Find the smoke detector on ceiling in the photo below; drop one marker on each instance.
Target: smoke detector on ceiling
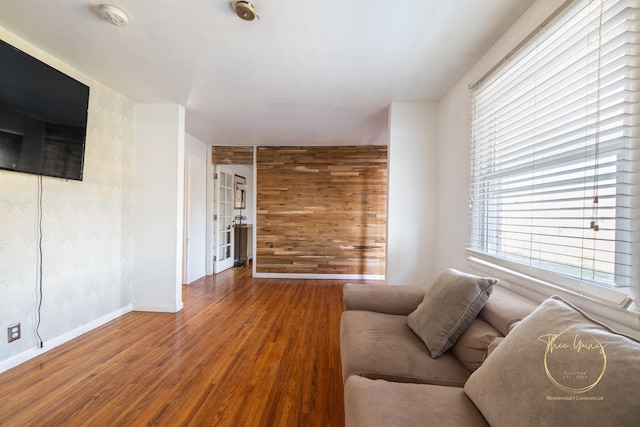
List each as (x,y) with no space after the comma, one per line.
(245,10)
(113,15)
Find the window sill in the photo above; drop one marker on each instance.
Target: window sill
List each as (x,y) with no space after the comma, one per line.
(624,320)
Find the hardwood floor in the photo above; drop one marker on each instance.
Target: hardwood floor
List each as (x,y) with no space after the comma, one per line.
(243,352)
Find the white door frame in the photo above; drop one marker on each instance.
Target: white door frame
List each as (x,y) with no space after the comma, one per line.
(185,222)
(210,225)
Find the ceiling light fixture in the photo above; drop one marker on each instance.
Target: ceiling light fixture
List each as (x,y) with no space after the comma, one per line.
(245,10)
(113,15)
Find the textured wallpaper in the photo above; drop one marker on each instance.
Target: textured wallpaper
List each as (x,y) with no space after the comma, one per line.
(86,227)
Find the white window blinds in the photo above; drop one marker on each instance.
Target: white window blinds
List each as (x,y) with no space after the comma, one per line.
(555,152)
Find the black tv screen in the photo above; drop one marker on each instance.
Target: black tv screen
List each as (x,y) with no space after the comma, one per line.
(43,117)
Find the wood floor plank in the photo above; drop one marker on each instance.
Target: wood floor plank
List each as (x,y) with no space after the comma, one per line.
(242,352)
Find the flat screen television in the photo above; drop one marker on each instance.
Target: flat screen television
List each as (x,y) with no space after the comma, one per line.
(43,117)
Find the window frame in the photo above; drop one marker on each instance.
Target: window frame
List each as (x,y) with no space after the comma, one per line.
(616,297)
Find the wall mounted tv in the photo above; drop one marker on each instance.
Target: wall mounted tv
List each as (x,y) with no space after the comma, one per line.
(43,117)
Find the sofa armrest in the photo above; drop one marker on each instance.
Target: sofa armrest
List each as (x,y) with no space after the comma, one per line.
(382,298)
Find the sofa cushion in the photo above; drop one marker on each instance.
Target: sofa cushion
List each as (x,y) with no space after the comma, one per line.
(493,345)
(472,348)
(378,345)
(505,308)
(371,403)
(567,367)
(382,298)
(449,306)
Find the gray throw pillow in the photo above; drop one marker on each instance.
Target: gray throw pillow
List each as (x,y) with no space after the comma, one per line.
(564,367)
(449,306)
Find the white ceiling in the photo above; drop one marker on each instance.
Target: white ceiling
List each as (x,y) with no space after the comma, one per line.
(307,73)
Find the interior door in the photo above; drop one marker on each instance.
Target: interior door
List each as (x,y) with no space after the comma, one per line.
(223,218)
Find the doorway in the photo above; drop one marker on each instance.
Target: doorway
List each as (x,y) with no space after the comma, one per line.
(231,222)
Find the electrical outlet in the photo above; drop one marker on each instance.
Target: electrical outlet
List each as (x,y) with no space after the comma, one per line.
(13,332)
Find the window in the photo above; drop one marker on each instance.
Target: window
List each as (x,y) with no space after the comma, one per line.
(555,153)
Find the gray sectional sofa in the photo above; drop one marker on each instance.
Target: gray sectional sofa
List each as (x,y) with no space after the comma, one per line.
(392,379)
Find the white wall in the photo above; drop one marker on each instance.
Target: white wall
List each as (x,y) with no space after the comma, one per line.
(453,180)
(158,207)
(413,194)
(196,152)
(87,243)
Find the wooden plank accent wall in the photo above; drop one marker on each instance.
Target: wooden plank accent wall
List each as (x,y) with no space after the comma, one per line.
(321,210)
(230,155)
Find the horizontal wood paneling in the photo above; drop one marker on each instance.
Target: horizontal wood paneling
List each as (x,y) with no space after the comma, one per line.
(321,210)
(229,155)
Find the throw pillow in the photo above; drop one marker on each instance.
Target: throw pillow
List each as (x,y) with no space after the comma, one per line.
(566,369)
(472,347)
(449,306)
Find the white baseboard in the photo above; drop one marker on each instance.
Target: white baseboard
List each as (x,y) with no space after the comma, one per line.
(158,308)
(319,276)
(20,358)
(190,281)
